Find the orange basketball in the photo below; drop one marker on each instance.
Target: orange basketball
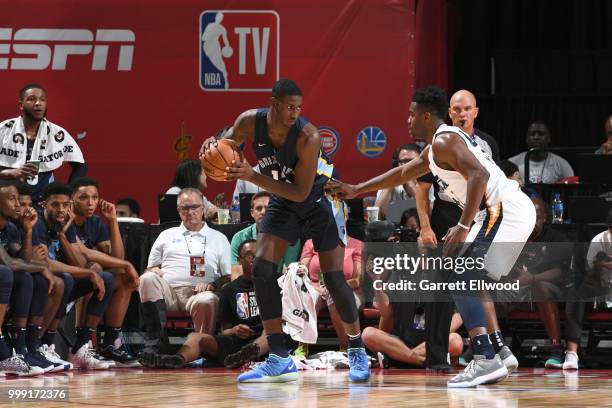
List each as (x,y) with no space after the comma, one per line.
(219,155)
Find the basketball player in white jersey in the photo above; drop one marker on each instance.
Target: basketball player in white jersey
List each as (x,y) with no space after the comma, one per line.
(500,211)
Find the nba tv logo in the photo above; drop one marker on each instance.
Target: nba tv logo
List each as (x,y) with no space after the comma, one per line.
(239,50)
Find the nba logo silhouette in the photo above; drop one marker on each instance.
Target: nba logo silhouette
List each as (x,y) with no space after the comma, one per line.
(242,305)
(239,50)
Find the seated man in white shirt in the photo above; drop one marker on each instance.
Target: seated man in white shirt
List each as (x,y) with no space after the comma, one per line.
(402,155)
(187,265)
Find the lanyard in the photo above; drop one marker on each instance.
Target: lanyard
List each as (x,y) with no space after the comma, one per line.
(189,249)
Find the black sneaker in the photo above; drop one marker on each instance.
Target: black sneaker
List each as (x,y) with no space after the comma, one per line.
(245,355)
(170,361)
(44,363)
(120,356)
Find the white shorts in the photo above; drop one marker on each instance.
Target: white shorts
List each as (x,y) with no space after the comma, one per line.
(503,230)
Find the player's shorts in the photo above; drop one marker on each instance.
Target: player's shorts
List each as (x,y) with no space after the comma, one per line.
(500,232)
(323,220)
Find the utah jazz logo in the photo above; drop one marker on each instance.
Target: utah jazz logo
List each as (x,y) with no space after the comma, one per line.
(239,50)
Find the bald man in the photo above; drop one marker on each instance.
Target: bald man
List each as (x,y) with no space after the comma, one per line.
(463,111)
(606,147)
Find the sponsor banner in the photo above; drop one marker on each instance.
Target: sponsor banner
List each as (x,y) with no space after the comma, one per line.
(140,85)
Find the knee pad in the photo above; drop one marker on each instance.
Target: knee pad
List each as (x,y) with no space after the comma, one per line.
(109,281)
(6,284)
(342,294)
(267,291)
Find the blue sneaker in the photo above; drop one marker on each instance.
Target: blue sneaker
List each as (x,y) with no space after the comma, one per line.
(359,371)
(274,370)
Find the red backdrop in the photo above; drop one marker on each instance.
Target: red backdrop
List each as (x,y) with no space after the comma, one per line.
(353,59)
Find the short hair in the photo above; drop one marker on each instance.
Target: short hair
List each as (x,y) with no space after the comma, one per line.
(259,195)
(243,243)
(24,189)
(408,146)
(411,212)
(508,167)
(56,188)
(27,87)
(541,123)
(8,183)
(82,182)
(284,87)
(187,174)
(433,99)
(189,190)
(131,203)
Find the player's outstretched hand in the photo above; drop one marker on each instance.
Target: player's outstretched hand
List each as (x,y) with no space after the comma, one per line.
(239,170)
(339,189)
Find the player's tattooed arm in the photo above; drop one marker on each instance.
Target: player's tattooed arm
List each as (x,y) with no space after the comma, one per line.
(243,129)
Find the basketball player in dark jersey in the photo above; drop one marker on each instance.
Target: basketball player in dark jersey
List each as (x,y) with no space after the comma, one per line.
(294,169)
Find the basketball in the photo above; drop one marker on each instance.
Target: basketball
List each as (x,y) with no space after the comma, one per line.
(227,52)
(219,155)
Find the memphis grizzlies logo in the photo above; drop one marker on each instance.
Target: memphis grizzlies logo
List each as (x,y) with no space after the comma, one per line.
(239,50)
(371,141)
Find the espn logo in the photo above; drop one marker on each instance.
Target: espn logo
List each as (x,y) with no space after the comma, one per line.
(52,46)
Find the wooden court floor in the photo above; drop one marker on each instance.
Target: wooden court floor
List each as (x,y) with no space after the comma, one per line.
(387,388)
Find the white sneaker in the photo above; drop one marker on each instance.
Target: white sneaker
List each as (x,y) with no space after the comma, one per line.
(16,365)
(571,361)
(51,355)
(85,360)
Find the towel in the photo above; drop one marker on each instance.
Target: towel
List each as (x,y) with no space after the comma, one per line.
(52,147)
(299,298)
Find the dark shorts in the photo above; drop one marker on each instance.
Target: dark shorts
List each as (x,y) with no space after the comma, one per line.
(228,345)
(323,221)
(410,338)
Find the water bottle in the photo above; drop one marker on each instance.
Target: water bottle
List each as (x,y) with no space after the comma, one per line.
(557,209)
(235,210)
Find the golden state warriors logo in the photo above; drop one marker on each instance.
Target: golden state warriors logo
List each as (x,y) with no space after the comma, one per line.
(371,141)
(239,50)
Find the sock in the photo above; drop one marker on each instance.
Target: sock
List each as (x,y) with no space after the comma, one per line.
(355,341)
(83,335)
(481,345)
(276,343)
(556,348)
(497,340)
(32,340)
(19,340)
(49,337)
(110,335)
(5,350)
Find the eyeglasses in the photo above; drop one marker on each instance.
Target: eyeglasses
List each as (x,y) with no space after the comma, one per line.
(186,208)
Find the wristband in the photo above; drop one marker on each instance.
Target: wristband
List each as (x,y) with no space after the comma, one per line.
(463,226)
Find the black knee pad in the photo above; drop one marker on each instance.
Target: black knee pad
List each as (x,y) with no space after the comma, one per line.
(342,294)
(267,291)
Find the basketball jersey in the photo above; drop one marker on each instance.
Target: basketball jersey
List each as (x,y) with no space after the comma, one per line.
(454,184)
(279,163)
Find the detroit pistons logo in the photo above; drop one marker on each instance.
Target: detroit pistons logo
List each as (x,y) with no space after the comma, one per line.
(239,50)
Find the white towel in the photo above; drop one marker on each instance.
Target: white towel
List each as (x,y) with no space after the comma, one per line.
(52,147)
(299,298)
